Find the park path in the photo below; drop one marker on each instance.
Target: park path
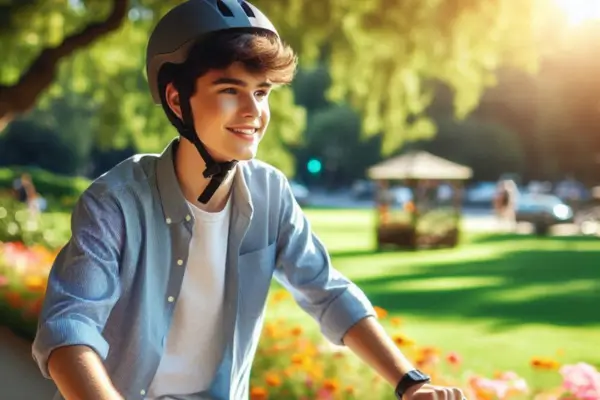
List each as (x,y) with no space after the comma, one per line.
(20,378)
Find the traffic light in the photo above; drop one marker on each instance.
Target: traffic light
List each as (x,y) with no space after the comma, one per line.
(314,166)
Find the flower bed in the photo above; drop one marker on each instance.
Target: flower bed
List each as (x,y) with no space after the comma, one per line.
(293,364)
(23,276)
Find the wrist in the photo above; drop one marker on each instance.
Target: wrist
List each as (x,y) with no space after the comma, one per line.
(410,383)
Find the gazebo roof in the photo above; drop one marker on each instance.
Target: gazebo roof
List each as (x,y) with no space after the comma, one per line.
(419,165)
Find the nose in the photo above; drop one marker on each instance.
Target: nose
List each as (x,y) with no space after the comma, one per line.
(251,108)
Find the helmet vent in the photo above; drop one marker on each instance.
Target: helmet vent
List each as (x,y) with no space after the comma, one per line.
(247,9)
(224,9)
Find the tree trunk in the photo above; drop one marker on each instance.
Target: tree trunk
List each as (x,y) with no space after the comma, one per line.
(22,96)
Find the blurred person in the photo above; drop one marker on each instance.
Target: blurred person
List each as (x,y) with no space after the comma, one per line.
(505,204)
(25,192)
(160,293)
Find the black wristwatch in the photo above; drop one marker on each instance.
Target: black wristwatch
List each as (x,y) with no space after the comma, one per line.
(411,378)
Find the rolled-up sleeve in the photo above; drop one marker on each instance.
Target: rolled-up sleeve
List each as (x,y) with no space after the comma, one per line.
(83,284)
(304,268)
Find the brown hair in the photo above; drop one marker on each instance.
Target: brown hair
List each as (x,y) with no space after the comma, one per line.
(258,52)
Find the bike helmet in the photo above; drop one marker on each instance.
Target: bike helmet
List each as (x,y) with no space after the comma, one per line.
(170,43)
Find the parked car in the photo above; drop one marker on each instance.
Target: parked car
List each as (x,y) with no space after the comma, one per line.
(363,189)
(542,211)
(481,193)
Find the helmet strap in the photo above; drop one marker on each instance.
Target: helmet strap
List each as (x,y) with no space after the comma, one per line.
(217,172)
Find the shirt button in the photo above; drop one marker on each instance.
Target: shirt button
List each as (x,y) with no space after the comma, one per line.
(168,220)
(187,218)
(142,392)
(170,299)
(180,262)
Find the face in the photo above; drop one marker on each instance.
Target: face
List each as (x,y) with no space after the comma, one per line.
(231,111)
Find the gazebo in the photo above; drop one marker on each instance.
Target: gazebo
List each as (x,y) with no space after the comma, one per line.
(418,200)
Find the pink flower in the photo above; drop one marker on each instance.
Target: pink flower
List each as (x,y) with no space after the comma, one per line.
(3,280)
(501,388)
(508,376)
(582,380)
(324,394)
(497,387)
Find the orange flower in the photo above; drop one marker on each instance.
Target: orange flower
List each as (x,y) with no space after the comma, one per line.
(35,283)
(296,331)
(298,359)
(402,340)
(544,363)
(273,379)
(331,385)
(35,308)
(427,356)
(315,373)
(350,390)
(381,313)
(396,321)
(271,330)
(280,295)
(258,393)
(14,299)
(429,351)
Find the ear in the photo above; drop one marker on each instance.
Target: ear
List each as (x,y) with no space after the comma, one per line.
(172,97)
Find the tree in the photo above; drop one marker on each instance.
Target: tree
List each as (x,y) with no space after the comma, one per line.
(381,55)
(555,112)
(28,144)
(490,149)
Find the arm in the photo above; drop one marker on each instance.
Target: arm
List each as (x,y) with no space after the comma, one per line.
(80,374)
(343,311)
(83,287)
(304,268)
(371,343)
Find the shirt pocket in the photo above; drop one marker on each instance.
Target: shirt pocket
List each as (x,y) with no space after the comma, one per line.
(255,275)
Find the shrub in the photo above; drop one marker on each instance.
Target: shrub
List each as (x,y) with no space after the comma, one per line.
(60,191)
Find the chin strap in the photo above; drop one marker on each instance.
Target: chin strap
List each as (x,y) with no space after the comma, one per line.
(217,172)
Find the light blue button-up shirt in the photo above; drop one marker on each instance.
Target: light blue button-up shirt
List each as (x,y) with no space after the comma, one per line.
(115,284)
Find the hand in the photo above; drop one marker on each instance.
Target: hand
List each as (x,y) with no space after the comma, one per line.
(431,392)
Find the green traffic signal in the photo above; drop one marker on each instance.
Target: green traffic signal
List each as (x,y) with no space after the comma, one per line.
(314,166)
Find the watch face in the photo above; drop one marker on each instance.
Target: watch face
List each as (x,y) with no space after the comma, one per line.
(418,376)
(411,378)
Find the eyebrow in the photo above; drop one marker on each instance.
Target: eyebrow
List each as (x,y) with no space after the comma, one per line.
(238,82)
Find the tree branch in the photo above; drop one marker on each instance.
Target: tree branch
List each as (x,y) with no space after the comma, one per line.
(21,97)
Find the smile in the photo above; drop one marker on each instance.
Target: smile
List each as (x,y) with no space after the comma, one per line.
(248,131)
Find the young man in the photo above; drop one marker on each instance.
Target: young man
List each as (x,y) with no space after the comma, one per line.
(160,292)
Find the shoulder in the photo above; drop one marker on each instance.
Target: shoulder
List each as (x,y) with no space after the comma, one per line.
(264,177)
(124,182)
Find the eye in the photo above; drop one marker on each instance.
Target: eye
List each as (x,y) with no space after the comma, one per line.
(229,91)
(261,93)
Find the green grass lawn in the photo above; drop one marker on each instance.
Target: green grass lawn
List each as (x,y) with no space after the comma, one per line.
(496,300)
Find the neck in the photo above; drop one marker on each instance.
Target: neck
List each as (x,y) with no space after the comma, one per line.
(189,166)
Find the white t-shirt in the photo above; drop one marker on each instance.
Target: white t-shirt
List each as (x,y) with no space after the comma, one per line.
(194,344)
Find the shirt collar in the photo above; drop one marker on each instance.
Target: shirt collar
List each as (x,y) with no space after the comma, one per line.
(173,202)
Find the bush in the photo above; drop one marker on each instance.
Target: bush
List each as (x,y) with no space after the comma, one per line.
(26,142)
(19,224)
(60,191)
